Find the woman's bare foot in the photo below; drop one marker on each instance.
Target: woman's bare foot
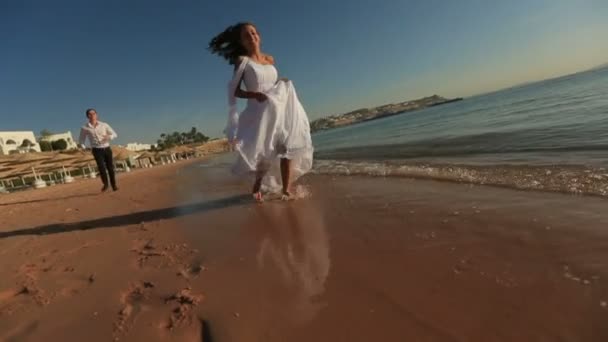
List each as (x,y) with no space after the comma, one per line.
(287,196)
(257,196)
(257,193)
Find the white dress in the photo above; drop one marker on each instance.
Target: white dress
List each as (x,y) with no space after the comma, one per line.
(265,132)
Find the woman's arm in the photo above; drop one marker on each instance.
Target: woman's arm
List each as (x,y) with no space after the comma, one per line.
(243,94)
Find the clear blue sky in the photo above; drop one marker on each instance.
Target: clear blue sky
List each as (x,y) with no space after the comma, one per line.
(145,67)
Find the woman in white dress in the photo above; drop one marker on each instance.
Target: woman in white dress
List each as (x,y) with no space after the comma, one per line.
(272,134)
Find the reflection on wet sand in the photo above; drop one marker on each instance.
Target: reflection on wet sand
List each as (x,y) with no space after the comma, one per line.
(410,260)
(294,240)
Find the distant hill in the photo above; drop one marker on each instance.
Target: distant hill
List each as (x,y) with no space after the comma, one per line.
(367,114)
(601,66)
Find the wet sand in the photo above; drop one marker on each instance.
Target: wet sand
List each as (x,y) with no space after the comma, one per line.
(361,259)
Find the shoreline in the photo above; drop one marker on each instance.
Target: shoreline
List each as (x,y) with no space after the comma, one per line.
(190,257)
(406,259)
(577,180)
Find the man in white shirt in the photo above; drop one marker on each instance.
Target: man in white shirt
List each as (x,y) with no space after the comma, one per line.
(99,135)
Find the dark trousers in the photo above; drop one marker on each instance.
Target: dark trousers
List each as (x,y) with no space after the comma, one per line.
(105,163)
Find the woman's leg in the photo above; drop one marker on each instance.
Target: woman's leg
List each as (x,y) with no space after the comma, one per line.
(285,174)
(259,175)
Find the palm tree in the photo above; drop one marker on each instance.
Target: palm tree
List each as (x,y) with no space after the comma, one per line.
(45,133)
(192,134)
(200,137)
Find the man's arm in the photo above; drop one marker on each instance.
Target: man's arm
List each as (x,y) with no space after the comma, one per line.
(111,134)
(82,138)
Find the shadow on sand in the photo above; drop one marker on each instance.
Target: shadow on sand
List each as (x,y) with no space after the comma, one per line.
(133,218)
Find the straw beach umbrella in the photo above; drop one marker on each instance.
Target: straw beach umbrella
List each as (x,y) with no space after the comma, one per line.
(215,146)
(21,172)
(5,171)
(22,163)
(183,149)
(83,162)
(12,172)
(146,155)
(54,163)
(4,159)
(57,161)
(121,153)
(6,174)
(38,182)
(24,158)
(163,156)
(59,158)
(121,156)
(82,158)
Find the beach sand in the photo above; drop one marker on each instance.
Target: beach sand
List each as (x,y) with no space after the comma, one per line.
(182,253)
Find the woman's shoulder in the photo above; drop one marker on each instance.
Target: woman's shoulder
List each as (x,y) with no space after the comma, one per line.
(241,59)
(269,59)
(238,61)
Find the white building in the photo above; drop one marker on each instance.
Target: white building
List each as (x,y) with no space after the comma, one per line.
(67,136)
(139,147)
(18,142)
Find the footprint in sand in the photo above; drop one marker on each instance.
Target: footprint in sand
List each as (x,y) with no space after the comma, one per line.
(59,279)
(7,301)
(26,292)
(20,332)
(196,331)
(132,303)
(13,300)
(182,323)
(191,271)
(183,301)
(149,254)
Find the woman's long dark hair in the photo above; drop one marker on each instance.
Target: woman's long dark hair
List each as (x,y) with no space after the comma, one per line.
(228,43)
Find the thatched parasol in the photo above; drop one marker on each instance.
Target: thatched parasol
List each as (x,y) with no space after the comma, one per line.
(121,153)
(146,154)
(81,162)
(4,159)
(58,159)
(181,149)
(17,171)
(8,171)
(24,158)
(214,146)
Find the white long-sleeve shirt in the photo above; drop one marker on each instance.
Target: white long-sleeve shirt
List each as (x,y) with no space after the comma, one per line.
(97,134)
